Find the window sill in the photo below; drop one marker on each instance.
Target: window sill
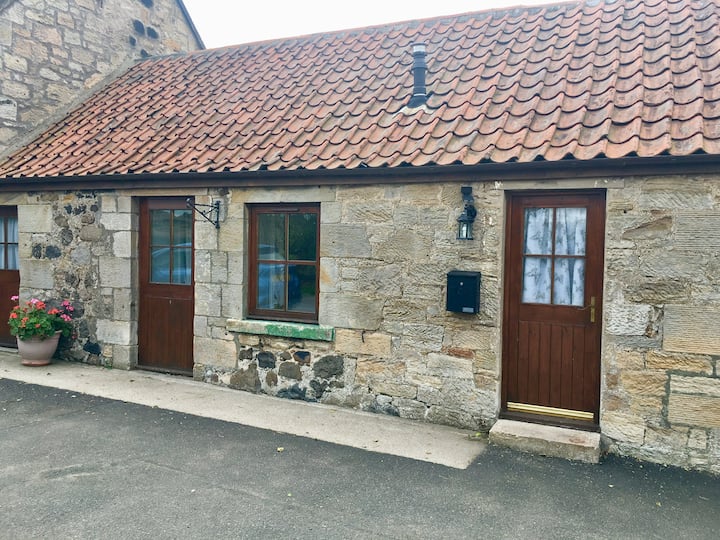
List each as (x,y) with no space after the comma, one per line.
(281,329)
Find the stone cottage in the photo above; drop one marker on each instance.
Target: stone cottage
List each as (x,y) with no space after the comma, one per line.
(510,214)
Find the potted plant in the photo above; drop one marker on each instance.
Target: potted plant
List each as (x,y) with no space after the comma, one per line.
(38,328)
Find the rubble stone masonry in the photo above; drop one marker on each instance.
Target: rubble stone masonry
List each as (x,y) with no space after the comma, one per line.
(54,52)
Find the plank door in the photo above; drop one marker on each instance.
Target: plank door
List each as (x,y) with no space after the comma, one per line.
(9,270)
(165,321)
(553,307)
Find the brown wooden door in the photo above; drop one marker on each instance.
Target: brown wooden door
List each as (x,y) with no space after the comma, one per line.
(165,322)
(9,273)
(553,307)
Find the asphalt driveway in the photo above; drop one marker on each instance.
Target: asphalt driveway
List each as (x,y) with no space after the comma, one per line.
(79,466)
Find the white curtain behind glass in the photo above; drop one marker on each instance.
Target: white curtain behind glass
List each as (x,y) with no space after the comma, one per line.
(567,285)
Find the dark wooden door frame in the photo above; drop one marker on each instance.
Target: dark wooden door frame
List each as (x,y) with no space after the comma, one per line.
(516,201)
(9,280)
(166,310)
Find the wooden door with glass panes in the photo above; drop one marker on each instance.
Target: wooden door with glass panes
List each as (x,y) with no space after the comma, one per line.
(165,321)
(9,269)
(553,307)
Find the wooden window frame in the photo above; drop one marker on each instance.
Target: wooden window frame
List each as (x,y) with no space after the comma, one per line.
(254,312)
(5,214)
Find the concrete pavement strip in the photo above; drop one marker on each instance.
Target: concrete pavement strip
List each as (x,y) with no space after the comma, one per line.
(434,443)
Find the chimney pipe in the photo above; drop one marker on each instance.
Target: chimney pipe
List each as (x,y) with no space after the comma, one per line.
(419,95)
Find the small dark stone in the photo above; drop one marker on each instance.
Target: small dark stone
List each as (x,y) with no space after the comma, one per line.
(246,354)
(214,378)
(294,392)
(302,357)
(52,252)
(92,348)
(80,209)
(271,378)
(328,366)
(266,359)
(94,207)
(68,209)
(144,53)
(290,370)
(132,41)
(66,237)
(318,387)
(284,355)
(152,33)
(37,251)
(246,379)
(147,3)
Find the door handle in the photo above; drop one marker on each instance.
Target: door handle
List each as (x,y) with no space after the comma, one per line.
(591,307)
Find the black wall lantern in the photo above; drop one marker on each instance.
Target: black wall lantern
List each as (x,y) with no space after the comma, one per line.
(467,217)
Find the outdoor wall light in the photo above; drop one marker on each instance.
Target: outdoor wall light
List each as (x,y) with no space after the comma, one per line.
(467,217)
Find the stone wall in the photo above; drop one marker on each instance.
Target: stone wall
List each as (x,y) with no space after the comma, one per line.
(81,246)
(385,342)
(53,52)
(661,389)
(385,254)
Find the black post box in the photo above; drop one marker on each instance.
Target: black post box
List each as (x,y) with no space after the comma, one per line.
(463,291)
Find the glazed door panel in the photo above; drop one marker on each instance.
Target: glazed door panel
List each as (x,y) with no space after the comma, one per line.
(165,323)
(9,272)
(553,306)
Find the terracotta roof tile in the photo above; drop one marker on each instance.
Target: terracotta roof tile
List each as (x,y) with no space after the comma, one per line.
(573,80)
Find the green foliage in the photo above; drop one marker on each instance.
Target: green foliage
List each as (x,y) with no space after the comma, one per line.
(35,318)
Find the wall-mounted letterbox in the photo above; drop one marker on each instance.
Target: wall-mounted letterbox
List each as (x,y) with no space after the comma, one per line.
(463,291)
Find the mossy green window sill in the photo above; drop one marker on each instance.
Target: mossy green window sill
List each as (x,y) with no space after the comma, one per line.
(281,329)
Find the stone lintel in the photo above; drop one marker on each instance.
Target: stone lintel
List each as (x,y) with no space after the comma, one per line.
(282,329)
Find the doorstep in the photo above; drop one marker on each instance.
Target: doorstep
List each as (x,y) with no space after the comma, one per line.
(547,440)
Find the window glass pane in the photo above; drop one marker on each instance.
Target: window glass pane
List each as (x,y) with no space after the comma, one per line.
(301,288)
(2,229)
(302,237)
(538,231)
(182,266)
(271,286)
(12,230)
(13,260)
(160,227)
(182,227)
(570,227)
(569,286)
(160,265)
(536,280)
(271,237)
(2,257)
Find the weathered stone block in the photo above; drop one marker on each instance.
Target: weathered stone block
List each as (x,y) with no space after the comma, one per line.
(679,362)
(117,332)
(358,342)
(214,352)
(116,273)
(695,411)
(623,427)
(394,389)
(344,241)
(695,385)
(693,329)
(627,320)
(644,383)
(347,311)
(373,369)
(442,365)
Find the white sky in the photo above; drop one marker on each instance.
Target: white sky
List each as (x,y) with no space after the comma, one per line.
(229,22)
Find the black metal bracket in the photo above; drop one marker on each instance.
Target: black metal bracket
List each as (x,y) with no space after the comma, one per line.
(212,214)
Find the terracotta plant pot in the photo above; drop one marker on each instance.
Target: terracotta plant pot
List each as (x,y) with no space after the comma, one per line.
(36,351)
